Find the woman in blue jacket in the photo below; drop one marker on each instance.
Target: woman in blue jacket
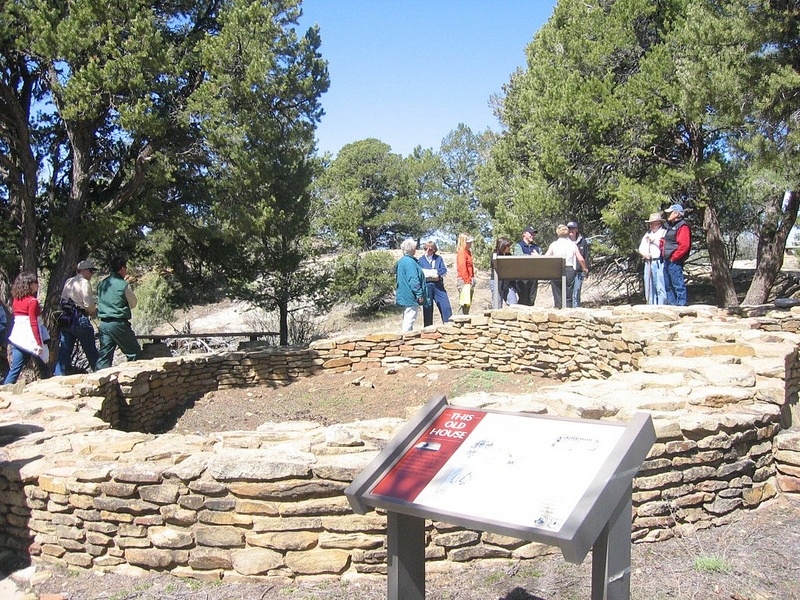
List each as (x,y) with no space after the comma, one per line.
(433,266)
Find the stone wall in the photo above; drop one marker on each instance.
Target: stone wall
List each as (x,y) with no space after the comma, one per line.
(268,503)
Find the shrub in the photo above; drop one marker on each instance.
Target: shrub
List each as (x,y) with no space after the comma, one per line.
(366,280)
(154,305)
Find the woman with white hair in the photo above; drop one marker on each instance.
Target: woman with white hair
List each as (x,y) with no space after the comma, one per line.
(568,250)
(411,289)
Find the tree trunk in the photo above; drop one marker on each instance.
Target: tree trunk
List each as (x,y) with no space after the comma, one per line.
(720,270)
(283,315)
(772,238)
(80,139)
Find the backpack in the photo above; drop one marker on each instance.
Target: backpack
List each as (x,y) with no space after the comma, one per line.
(67,314)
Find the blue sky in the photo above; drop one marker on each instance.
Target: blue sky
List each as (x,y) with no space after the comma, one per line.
(409,71)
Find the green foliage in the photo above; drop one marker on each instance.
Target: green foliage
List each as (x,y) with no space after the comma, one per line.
(711,564)
(461,154)
(154,306)
(628,106)
(365,279)
(367,195)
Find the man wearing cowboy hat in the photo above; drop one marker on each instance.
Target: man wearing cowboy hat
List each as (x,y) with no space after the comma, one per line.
(78,290)
(674,250)
(650,251)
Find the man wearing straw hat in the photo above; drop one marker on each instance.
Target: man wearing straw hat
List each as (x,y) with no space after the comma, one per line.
(650,251)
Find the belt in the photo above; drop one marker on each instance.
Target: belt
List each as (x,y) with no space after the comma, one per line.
(113,320)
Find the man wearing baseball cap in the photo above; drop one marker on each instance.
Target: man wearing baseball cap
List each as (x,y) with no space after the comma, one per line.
(76,296)
(527,288)
(675,248)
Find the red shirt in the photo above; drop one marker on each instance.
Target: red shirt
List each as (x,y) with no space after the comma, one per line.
(464,267)
(29,307)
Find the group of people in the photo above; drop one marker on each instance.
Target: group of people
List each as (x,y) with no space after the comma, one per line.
(664,249)
(420,283)
(569,245)
(28,336)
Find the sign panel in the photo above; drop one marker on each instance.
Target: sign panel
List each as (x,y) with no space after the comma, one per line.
(527,471)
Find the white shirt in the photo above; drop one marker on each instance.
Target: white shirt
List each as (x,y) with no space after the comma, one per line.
(566,249)
(650,247)
(79,290)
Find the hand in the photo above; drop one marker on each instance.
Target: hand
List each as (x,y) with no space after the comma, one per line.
(38,350)
(420,300)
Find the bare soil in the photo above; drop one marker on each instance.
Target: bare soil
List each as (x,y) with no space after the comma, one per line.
(331,398)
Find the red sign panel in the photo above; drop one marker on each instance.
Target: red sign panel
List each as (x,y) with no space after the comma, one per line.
(428,455)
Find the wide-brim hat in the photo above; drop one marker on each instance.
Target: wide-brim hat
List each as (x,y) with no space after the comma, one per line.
(655,217)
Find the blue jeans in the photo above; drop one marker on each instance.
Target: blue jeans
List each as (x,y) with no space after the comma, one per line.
(81,332)
(673,281)
(18,359)
(654,290)
(439,297)
(576,291)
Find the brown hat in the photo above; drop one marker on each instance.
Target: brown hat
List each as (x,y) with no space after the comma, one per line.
(655,217)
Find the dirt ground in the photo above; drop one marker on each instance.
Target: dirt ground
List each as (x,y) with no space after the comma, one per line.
(331,398)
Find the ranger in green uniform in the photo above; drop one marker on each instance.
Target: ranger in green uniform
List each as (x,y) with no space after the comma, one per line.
(115,299)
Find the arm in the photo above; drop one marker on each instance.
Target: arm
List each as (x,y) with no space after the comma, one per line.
(684,238)
(89,303)
(33,315)
(440,267)
(461,267)
(581,260)
(130,297)
(644,246)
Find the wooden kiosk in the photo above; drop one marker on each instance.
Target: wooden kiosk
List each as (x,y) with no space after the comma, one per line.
(563,482)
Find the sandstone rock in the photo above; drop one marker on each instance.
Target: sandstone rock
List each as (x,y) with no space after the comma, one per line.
(258,465)
(210,558)
(219,537)
(255,561)
(167,537)
(284,540)
(315,562)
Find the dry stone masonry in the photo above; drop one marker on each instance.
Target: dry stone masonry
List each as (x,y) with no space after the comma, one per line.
(87,480)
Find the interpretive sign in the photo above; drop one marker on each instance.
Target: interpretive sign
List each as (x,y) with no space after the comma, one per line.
(529,266)
(558,481)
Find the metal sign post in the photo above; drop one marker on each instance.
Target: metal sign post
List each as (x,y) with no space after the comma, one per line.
(557,481)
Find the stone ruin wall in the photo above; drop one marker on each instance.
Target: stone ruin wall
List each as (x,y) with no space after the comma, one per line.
(269,503)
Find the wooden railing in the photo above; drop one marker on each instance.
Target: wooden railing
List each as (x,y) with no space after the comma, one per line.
(251,335)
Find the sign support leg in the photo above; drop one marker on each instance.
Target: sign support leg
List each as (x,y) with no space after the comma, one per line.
(611,555)
(405,538)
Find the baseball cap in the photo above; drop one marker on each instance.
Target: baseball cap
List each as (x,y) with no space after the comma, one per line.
(529,229)
(572,225)
(676,208)
(86,265)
